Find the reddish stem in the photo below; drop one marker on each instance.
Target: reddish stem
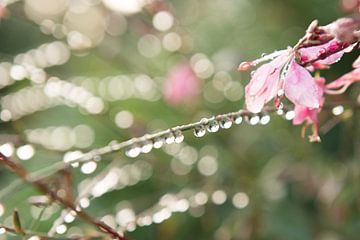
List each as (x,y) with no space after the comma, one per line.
(44,188)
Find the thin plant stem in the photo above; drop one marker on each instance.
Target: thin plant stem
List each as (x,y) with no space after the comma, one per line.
(22,173)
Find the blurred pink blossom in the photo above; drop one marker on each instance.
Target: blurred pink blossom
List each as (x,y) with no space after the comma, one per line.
(181,85)
(3,11)
(350,5)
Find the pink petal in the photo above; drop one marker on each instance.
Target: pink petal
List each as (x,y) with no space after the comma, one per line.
(311,53)
(264,84)
(341,84)
(332,58)
(320,83)
(336,56)
(356,64)
(304,113)
(300,87)
(310,114)
(254,103)
(343,29)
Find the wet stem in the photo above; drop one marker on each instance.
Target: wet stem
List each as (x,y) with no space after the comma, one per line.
(22,173)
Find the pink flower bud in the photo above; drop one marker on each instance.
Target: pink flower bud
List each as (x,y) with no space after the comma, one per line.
(245,66)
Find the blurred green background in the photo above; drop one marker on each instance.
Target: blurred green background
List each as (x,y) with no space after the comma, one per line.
(276,184)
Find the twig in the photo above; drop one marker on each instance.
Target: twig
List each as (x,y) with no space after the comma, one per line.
(40,235)
(21,172)
(139,141)
(84,193)
(151,138)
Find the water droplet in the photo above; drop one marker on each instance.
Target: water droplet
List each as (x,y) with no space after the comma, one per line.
(179,137)
(158,142)
(290,115)
(252,73)
(238,119)
(146,147)
(133,151)
(204,121)
(97,158)
(75,165)
(284,71)
(265,119)
(338,110)
(199,131)
(281,105)
(213,126)
(281,92)
(225,123)
(114,145)
(88,167)
(170,138)
(280,112)
(254,120)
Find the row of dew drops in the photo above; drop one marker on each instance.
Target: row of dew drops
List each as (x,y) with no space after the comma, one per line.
(210,125)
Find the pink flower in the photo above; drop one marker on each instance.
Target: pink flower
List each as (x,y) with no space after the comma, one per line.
(287,73)
(341,84)
(309,115)
(181,85)
(272,78)
(284,75)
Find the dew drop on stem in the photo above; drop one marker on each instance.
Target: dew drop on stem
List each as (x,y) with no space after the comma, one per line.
(158,142)
(238,119)
(146,147)
(212,126)
(170,138)
(253,120)
(179,137)
(225,122)
(133,151)
(114,145)
(199,131)
(265,119)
